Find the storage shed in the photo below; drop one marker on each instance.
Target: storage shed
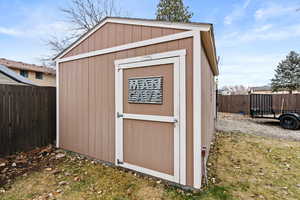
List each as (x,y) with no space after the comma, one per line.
(140,94)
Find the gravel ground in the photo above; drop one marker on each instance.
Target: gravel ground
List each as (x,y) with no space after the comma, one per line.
(229,122)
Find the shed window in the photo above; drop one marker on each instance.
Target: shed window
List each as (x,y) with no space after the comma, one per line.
(24,73)
(39,75)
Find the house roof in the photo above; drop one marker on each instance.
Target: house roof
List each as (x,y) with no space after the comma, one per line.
(13,75)
(25,66)
(196,26)
(261,88)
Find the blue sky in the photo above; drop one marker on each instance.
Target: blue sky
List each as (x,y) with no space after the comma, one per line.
(252,36)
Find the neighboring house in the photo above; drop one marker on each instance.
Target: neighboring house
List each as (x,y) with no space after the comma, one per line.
(267,90)
(10,77)
(39,75)
(144,93)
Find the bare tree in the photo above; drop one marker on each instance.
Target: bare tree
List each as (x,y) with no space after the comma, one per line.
(82,15)
(234,90)
(85,14)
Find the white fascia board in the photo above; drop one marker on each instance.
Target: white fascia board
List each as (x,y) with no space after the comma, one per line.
(162,24)
(130,46)
(191,27)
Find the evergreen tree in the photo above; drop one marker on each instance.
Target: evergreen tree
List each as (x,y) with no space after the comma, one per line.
(287,74)
(173,10)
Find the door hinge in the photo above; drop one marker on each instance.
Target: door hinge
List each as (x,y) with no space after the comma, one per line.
(119,115)
(119,162)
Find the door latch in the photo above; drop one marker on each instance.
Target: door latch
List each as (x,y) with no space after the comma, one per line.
(119,162)
(119,115)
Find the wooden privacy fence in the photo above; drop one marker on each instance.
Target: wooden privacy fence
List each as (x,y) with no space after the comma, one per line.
(27,117)
(241,103)
(234,103)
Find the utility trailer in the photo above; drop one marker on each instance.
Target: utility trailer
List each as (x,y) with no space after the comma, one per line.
(261,106)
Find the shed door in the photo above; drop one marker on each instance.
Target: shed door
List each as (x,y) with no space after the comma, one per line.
(147,119)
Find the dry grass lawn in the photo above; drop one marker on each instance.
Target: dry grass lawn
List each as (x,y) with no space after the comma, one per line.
(241,167)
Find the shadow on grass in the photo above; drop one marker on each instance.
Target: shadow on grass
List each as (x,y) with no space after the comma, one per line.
(268,123)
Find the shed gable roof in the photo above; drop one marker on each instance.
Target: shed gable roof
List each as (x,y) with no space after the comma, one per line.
(205,28)
(136,21)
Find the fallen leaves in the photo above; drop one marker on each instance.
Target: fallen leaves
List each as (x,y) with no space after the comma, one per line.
(61,183)
(60,155)
(16,165)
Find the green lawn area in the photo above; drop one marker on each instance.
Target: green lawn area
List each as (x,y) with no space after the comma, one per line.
(240,167)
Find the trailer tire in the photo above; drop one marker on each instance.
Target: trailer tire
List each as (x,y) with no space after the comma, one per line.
(289,122)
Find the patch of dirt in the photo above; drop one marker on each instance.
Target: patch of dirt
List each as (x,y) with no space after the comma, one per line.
(229,122)
(21,163)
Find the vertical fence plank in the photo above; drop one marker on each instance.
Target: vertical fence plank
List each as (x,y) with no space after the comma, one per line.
(241,103)
(27,118)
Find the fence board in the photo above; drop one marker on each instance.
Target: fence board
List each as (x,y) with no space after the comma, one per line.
(27,118)
(241,103)
(233,103)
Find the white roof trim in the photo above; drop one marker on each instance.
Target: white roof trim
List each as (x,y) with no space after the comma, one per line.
(163,24)
(142,43)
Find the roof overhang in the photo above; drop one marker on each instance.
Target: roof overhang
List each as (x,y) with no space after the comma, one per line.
(206,30)
(135,21)
(208,41)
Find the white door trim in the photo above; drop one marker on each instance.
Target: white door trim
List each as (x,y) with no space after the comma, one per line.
(156,118)
(178,59)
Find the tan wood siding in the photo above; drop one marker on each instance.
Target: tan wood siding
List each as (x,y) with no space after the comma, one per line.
(96,95)
(149,145)
(207,101)
(113,34)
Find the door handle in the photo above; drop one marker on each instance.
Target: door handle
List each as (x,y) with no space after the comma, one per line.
(119,115)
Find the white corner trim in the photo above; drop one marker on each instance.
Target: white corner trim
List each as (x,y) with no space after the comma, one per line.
(197,110)
(57,104)
(130,46)
(197,27)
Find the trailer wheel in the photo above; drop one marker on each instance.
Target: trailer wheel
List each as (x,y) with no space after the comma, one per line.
(289,122)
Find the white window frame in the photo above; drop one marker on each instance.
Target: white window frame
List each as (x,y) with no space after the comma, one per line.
(177,58)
